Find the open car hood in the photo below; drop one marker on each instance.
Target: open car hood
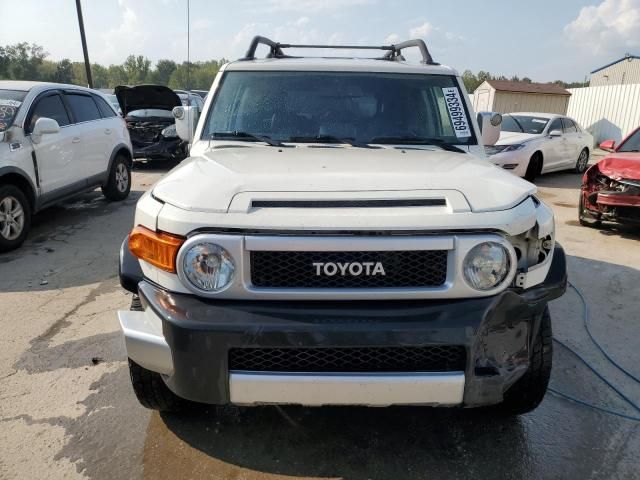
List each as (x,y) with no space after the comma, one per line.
(621,166)
(146,97)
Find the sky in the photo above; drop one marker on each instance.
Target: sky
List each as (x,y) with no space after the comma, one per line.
(545,40)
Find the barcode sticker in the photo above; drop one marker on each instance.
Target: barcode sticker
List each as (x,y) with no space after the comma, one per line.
(10,103)
(456,112)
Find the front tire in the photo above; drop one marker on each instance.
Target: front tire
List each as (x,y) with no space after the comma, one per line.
(584,219)
(118,183)
(527,393)
(15,217)
(583,161)
(534,168)
(150,389)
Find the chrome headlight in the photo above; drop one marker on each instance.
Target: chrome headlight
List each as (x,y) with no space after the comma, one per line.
(170,131)
(486,266)
(494,149)
(208,267)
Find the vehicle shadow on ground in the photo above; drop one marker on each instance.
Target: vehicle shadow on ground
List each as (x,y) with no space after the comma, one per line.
(568,180)
(154,166)
(416,442)
(336,442)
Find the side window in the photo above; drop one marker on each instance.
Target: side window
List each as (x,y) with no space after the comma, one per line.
(555,125)
(50,107)
(569,126)
(105,110)
(83,107)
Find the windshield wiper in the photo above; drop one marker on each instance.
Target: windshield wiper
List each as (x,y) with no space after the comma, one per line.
(332,139)
(518,123)
(247,137)
(415,140)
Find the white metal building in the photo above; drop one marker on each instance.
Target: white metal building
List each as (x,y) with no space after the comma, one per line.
(504,97)
(623,71)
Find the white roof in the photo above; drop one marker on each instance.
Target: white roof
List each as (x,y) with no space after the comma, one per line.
(26,86)
(535,114)
(339,65)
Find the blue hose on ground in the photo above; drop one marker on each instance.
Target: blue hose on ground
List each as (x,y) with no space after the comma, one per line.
(598,374)
(595,342)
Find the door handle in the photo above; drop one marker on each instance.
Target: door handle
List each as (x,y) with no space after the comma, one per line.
(107,131)
(76,140)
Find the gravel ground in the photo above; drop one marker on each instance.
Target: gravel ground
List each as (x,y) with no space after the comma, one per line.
(67,409)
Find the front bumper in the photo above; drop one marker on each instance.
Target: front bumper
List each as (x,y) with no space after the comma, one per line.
(515,161)
(188,339)
(611,206)
(163,149)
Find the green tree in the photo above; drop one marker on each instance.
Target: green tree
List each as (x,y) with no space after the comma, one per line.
(63,72)
(100,76)
(22,61)
(137,69)
(181,77)
(470,81)
(116,75)
(162,73)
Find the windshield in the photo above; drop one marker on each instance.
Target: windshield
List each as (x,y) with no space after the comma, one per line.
(10,101)
(632,144)
(363,107)
(523,124)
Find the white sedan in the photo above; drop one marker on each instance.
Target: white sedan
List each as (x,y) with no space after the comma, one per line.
(535,143)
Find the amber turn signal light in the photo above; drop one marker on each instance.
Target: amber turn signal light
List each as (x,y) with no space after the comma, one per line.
(157,248)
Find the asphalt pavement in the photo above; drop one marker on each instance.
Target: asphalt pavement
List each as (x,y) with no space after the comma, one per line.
(67,409)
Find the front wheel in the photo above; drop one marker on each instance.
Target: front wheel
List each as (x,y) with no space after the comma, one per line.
(150,389)
(15,217)
(118,183)
(583,161)
(534,168)
(584,218)
(527,393)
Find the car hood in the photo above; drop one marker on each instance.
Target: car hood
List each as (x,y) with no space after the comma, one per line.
(209,183)
(510,138)
(621,166)
(144,97)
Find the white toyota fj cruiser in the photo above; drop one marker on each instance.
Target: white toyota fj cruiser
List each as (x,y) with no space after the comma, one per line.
(338,237)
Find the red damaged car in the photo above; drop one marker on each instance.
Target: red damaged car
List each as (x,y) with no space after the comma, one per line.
(610,189)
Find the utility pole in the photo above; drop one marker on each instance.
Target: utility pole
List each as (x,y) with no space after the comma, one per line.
(87,65)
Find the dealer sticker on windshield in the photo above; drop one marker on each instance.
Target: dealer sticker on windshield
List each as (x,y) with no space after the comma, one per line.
(10,103)
(456,112)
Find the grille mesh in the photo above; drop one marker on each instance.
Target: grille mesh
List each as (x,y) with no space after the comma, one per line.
(632,213)
(435,358)
(416,268)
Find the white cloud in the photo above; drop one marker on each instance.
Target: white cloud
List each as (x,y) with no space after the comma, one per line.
(295,31)
(611,28)
(201,24)
(314,6)
(421,31)
(392,38)
(120,39)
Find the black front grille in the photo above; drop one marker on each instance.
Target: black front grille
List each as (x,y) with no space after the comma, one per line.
(421,202)
(416,268)
(630,213)
(435,358)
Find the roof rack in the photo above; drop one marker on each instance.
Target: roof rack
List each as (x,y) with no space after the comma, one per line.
(394,52)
